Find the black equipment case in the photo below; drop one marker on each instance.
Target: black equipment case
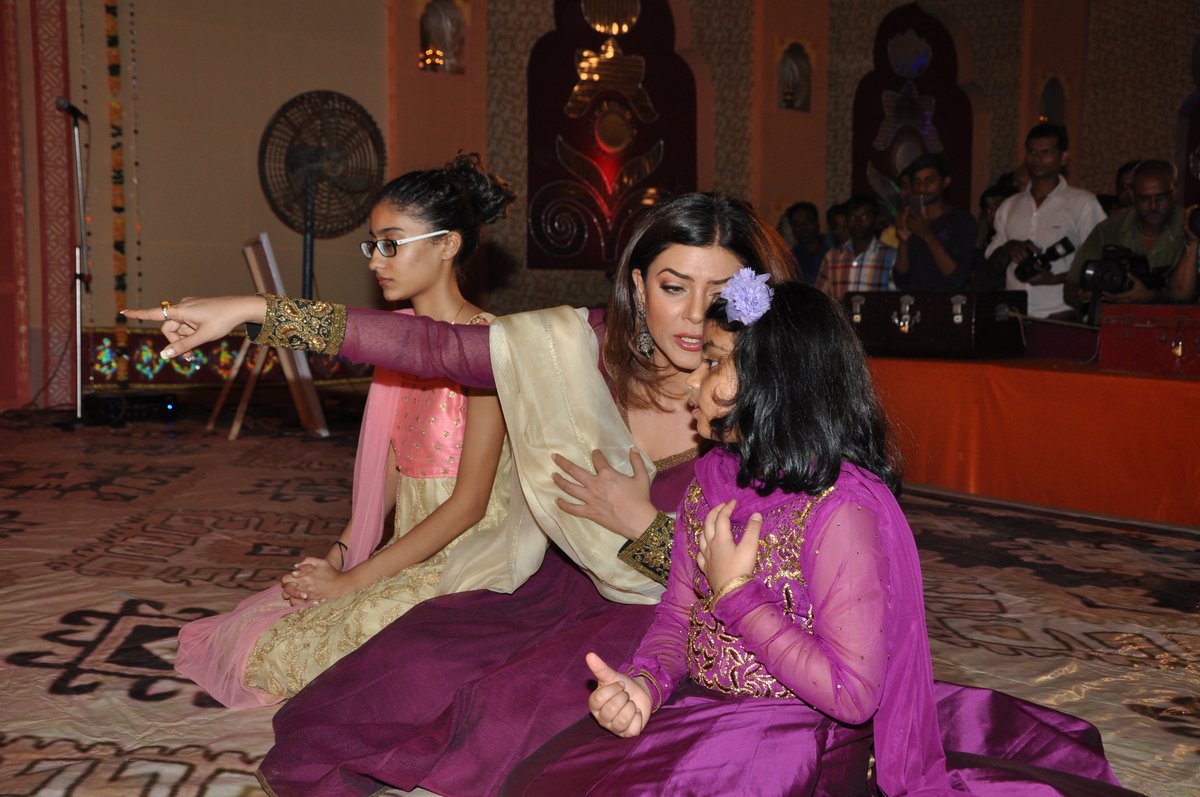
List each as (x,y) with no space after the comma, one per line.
(941,324)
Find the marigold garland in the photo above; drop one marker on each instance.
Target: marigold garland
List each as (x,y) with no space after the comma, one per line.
(117,171)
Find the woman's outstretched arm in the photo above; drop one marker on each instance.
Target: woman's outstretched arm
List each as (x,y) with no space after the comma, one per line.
(196,321)
(410,344)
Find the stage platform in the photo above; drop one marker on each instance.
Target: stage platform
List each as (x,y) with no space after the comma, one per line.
(1048,433)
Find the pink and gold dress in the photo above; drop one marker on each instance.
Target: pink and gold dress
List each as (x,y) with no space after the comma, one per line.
(264,650)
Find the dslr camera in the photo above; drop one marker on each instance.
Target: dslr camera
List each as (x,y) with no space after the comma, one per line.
(1110,274)
(1039,262)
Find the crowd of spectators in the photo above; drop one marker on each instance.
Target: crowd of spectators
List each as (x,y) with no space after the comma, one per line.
(1068,249)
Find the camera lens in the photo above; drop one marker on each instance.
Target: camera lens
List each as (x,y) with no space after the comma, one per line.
(1104,276)
(1027,269)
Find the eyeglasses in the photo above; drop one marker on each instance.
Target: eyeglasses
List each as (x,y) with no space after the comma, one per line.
(388,248)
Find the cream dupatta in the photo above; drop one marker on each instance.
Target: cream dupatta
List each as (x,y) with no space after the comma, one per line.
(554,401)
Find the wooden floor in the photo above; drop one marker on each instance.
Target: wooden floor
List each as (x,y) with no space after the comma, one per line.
(111,538)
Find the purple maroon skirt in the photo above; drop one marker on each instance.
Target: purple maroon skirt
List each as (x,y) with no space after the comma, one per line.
(454,694)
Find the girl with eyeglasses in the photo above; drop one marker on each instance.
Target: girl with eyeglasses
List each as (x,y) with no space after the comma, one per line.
(432,466)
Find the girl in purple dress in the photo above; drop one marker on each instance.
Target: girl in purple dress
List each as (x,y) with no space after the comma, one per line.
(790,646)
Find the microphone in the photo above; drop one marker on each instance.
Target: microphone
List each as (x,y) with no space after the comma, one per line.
(64,105)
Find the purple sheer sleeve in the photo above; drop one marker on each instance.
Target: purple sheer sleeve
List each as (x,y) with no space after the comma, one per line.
(662,654)
(422,347)
(837,665)
(419,346)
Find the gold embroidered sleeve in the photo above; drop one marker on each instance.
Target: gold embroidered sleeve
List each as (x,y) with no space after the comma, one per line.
(650,553)
(307,324)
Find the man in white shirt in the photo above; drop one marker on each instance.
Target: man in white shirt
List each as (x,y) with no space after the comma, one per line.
(1037,218)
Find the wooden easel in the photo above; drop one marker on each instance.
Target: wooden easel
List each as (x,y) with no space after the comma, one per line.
(261,262)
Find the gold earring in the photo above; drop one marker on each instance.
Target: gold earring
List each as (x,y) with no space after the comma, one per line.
(643,342)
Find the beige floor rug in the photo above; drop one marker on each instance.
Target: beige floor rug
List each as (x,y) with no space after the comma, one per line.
(111,538)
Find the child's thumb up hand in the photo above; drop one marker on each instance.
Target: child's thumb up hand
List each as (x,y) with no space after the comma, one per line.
(604,674)
(619,703)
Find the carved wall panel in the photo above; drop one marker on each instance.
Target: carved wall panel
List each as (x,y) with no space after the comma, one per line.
(612,127)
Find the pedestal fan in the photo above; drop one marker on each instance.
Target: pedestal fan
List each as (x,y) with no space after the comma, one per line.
(321,162)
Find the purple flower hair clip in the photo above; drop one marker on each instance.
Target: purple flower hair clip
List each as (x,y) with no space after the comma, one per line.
(747,296)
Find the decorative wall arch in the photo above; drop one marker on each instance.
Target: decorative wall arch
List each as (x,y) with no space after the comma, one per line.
(1187,136)
(1052,101)
(794,78)
(687,47)
(443,37)
(905,106)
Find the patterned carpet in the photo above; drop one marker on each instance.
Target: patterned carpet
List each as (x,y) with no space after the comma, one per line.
(114,537)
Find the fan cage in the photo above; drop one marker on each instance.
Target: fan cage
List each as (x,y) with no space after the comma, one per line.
(322,148)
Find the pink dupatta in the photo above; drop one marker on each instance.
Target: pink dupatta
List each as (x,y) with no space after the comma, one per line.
(213,651)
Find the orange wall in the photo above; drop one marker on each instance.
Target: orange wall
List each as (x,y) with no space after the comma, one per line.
(431,115)
(1055,46)
(787,146)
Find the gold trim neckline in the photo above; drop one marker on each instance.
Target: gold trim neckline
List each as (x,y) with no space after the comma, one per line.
(666,463)
(670,460)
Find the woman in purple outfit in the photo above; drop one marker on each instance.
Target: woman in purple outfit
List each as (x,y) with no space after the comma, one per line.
(432,700)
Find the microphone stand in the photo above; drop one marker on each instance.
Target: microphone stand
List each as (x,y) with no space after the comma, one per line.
(83,280)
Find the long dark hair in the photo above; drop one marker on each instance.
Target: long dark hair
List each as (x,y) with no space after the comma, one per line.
(695,219)
(805,401)
(461,197)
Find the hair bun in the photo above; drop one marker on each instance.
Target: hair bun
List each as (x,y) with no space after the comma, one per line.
(489,194)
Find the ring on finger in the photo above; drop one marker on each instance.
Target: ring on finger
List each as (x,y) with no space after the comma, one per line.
(165,306)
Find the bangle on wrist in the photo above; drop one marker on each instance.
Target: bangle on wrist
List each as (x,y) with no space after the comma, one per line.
(728,587)
(342,551)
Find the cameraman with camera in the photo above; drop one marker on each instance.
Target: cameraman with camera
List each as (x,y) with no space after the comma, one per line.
(1038,230)
(1129,258)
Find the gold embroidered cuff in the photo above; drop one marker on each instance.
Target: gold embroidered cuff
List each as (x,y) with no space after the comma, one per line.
(307,324)
(728,587)
(650,554)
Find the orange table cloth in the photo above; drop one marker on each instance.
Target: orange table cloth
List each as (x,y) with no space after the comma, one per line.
(1051,434)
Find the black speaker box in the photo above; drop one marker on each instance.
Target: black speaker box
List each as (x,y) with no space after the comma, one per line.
(114,408)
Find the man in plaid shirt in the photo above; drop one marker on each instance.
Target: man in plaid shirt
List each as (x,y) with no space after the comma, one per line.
(862,263)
